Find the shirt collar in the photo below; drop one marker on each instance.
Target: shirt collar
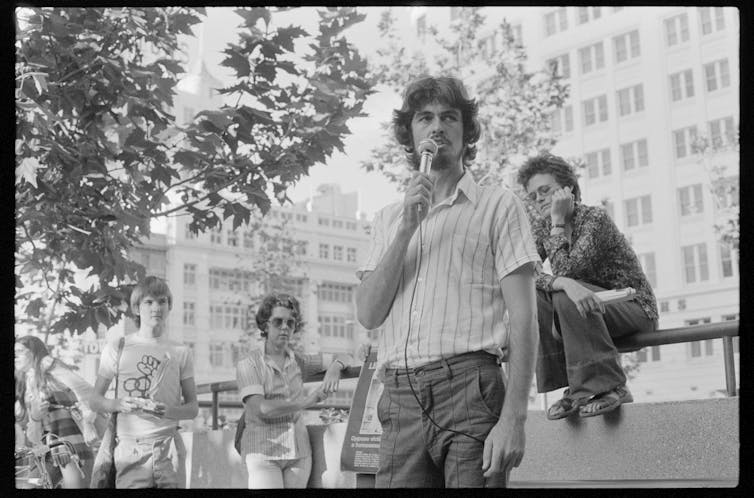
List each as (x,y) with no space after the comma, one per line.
(466,186)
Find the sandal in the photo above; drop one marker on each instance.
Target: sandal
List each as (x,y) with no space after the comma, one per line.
(564,407)
(606,402)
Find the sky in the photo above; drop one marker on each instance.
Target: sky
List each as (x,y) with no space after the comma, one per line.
(342,168)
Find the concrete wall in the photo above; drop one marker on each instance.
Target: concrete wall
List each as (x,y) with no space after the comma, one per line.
(690,443)
(687,443)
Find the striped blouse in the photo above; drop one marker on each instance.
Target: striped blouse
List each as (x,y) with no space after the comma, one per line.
(274,438)
(470,241)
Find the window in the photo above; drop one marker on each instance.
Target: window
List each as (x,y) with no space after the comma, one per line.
(325,222)
(421,27)
(232,238)
(722,132)
(710,25)
(351,254)
(726,192)
(681,304)
(683,140)
(677,29)
(697,348)
(302,247)
(248,239)
(188,234)
(664,306)
(626,46)
(337,224)
(216,235)
(337,253)
(592,58)
(630,100)
(188,313)
(334,292)
(647,261)
(694,259)
(690,200)
(681,85)
(227,317)
(560,65)
(556,21)
(717,75)
(561,120)
(655,353)
(350,225)
(324,251)
(634,154)
(217,353)
(584,14)
(189,274)
(336,325)
(726,260)
(598,161)
(301,218)
(638,210)
(595,109)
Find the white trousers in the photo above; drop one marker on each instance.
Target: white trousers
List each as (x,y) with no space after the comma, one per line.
(278,474)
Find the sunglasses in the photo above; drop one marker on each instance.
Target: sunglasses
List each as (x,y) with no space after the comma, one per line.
(543,191)
(278,322)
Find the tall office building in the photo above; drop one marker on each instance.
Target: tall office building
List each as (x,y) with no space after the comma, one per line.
(644,83)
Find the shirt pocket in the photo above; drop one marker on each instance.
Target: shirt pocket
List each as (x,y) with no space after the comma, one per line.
(468,254)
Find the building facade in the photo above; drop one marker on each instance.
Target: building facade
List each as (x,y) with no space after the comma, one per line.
(645,82)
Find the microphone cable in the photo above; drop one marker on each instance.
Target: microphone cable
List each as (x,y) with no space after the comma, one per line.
(405,348)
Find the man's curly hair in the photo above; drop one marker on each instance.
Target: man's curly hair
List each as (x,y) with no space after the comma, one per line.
(556,166)
(447,90)
(277,299)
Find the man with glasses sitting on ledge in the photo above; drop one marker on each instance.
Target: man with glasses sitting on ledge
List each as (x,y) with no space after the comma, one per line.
(587,254)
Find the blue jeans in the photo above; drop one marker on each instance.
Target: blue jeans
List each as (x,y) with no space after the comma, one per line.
(464,393)
(584,358)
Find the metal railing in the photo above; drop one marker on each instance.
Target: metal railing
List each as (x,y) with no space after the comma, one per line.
(720,330)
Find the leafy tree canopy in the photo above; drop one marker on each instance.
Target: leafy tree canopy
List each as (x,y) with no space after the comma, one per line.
(514,102)
(99,154)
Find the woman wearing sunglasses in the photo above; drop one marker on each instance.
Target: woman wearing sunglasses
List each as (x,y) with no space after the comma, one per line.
(587,254)
(273,440)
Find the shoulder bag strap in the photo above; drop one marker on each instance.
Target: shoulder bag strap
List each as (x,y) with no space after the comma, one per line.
(121,342)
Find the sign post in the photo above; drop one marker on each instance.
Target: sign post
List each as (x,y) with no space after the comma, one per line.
(361,445)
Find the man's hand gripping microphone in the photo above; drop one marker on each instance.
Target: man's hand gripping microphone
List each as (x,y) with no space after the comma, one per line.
(427,149)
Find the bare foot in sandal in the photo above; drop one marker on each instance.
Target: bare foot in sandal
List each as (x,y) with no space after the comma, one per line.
(606,402)
(563,407)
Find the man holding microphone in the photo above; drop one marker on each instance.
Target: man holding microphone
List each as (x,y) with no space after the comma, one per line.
(443,267)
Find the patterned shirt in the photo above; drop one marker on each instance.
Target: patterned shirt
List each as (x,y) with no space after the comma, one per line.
(148,368)
(470,241)
(275,438)
(598,254)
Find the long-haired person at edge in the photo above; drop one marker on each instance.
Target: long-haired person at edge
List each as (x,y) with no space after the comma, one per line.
(48,395)
(156,389)
(443,267)
(274,442)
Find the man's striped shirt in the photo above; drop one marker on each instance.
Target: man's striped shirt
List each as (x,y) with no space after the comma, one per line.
(470,241)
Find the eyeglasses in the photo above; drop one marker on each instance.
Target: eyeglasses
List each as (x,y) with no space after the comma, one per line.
(542,190)
(277,322)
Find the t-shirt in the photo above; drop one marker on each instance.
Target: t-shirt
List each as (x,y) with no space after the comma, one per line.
(149,368)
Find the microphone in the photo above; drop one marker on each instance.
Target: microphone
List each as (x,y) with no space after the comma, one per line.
(427,148)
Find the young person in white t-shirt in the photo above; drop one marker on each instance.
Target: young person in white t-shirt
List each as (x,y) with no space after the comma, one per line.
(156,389)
